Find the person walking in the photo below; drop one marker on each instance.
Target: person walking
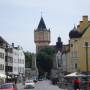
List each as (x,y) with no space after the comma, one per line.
(76,84)
(15,80)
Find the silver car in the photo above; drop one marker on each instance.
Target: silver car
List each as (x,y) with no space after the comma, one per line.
(29,84)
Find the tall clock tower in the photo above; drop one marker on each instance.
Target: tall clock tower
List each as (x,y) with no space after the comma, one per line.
(41,36)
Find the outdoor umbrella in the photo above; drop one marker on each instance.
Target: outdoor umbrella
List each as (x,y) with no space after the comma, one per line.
(75,74)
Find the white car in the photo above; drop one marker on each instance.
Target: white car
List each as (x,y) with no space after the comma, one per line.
(29,84)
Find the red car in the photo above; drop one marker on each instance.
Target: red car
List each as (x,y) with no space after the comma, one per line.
(8,86)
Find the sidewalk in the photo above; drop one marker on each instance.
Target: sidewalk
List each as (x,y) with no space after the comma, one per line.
(65,87)
(19,85)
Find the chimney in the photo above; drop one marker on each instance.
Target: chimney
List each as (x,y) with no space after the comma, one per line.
(85,18)
(12,44)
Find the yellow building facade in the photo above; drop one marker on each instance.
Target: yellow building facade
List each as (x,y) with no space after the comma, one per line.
(79,55)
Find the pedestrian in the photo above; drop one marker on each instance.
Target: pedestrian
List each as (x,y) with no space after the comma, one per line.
(88,85)
(76,84)
(15,80)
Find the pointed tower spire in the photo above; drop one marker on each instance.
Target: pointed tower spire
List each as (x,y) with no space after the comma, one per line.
(41,36)
(41,25)
(74,28)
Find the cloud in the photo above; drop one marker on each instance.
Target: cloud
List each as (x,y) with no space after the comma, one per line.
(24,39)
(18,18)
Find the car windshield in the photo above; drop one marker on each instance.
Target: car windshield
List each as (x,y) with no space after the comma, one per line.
(3,86)
(29,81)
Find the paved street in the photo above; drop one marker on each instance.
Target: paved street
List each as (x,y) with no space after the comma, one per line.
(41,85)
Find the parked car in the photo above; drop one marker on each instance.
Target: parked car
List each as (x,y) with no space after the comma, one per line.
(29,84)
(35,80)
(40,79)
(8,86)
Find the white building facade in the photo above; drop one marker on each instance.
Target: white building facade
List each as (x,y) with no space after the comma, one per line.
(12,59)
(2,60)
(21,61)
(18,61)
(64,62)
(15,61)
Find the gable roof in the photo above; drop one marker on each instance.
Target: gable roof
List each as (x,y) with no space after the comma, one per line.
(85,30)
(3,41)
(76,34)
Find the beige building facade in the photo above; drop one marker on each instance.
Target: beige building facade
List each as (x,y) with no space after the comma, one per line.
(41,36)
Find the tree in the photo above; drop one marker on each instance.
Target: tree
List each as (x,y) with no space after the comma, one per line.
(45,60)
(28,59)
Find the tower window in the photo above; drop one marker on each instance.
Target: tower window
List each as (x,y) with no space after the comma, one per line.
(71,45)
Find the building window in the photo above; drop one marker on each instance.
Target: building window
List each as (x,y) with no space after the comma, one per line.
(75,66)
(71,45)
(10,59)
(74,54)
(75,40)
(1,55)
(1,66)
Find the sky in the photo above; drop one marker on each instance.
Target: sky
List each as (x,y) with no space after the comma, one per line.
(19,18)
